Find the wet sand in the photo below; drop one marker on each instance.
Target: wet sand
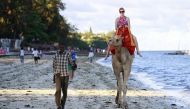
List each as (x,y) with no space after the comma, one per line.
(29,85)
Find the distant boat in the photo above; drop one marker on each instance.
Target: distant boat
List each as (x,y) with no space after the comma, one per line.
(177,53)
(187,52)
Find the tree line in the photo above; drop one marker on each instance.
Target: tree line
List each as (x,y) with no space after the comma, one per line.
(39,21)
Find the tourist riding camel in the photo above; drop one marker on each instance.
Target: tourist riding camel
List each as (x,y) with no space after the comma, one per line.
(122,47)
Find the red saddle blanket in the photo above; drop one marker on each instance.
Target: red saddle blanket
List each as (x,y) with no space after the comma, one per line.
(127,41)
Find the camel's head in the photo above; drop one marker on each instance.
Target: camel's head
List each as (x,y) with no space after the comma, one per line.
(116,41)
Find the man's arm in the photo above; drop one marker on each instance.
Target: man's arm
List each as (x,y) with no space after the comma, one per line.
(129,24)
(53,63)
(54,66)
(70,58)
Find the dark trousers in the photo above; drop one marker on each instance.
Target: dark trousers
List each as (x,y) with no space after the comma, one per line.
(36,60)
(22,59)
(61,84)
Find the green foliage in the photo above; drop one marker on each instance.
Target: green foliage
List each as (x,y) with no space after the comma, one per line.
(99,44)
(40,22)
(98,40)
(75,41)
(34,19)
(34,28)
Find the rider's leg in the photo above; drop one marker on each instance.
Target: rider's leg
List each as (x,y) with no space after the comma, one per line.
(137,46)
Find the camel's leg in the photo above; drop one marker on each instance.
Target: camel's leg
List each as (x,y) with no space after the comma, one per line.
(127,71)
(116,98)
(119,91)
(126,75)
(117,68)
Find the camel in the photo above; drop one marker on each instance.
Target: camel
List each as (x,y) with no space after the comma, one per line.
(121,63)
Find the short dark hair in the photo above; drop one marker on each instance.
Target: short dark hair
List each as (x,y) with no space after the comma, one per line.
(61,44)
(121,9)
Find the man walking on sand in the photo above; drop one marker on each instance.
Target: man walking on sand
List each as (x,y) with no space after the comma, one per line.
(61,74)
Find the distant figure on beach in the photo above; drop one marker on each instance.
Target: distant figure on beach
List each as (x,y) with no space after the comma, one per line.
(61,61)
(21,54)
(73,66)
(74,55)
(35,55)
(91,55)
(40,54)
(74,60)
(123,29)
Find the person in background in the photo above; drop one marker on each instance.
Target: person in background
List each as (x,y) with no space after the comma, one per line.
(35,55)
(61,61)
(32,49)
(74,60)
(91,55)
(40,54)
(21,54)
(73,67)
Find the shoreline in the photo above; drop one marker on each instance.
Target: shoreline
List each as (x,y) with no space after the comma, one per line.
(137,84)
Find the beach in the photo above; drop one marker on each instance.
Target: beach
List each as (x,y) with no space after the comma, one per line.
(29,85)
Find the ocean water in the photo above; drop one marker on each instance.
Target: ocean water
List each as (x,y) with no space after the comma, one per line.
(158,70)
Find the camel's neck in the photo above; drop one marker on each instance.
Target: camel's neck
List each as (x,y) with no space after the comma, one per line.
(118,50)
(118,53)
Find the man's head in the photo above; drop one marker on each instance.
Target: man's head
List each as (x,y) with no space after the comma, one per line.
(61,47)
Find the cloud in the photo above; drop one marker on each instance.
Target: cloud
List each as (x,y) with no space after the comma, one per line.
(151,20)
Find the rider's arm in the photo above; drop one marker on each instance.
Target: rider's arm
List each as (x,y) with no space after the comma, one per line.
(116,21)
(129,24)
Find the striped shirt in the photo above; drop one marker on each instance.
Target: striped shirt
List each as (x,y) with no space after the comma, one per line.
(60,63)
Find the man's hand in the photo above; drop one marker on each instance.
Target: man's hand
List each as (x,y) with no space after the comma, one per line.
(53,78)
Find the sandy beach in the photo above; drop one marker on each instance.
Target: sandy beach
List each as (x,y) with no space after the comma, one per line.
(29,85)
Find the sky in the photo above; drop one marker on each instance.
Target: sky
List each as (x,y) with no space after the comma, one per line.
(157,24)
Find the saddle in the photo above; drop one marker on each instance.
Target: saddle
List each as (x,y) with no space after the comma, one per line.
(127,41)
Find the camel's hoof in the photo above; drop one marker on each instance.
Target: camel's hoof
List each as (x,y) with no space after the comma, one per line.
(116,100)
(125,106)
(119,105)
